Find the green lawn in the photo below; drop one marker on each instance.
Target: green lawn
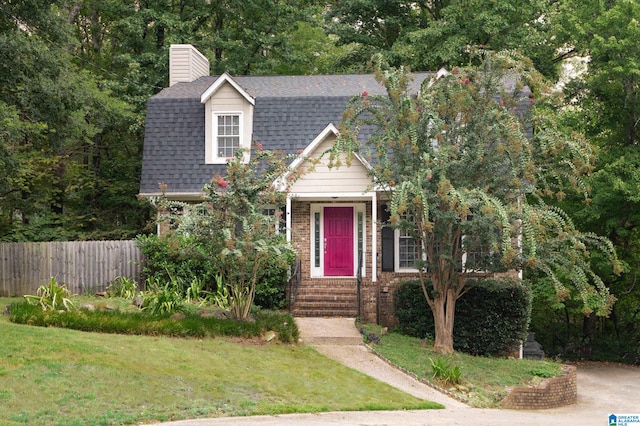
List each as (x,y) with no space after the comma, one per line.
(484,380)
(51,376)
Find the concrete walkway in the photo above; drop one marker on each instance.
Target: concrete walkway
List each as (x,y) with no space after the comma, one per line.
(603,389)
(338,338)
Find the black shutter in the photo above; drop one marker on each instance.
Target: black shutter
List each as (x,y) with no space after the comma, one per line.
(388,264)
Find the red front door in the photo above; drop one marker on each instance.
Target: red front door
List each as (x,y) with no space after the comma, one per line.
(338,241)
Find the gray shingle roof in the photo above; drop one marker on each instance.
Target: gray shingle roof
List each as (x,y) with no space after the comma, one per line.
(290,111)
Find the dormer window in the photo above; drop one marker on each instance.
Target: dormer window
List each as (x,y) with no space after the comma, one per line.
(228,121)
(227,135)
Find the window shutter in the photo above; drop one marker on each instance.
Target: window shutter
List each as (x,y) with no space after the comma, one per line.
(388,264)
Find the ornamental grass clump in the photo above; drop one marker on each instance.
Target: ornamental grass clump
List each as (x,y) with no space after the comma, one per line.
(51,297)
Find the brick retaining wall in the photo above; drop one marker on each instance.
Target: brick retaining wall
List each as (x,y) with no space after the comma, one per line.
(550,393)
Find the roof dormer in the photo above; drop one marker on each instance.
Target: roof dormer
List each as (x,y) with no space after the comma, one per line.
(228,120)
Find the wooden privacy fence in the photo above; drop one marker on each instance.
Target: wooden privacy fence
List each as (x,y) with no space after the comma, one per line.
(84,266)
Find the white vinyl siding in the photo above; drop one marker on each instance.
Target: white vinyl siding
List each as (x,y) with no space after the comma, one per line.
(186,64)
(229,124)
(322,179)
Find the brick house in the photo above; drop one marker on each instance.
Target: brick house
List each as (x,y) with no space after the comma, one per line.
(350,262)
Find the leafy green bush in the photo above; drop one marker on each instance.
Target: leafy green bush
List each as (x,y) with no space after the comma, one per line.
(271,288)
(491,319)
(51,296)
(410,307)
(176,257)
(141,322)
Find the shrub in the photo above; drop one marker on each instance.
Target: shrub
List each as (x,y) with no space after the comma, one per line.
(491,319)
(271,288)
(140,322)
(51,296)
(176,257)
(160,299)
(410,307)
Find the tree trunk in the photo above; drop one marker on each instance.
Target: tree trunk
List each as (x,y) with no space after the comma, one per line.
(443,309)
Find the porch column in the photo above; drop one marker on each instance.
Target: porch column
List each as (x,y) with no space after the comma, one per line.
(288,218)
(374,236)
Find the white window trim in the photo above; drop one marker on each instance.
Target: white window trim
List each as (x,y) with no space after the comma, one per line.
(396,255)
(212,157)
(318,272)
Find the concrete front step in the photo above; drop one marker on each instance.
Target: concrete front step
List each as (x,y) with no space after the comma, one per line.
(325,313)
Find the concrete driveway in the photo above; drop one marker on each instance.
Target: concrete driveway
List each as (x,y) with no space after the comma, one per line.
(603,389)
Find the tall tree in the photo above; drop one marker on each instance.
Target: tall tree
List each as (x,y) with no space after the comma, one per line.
(430,34)
(604,103)
(56,118)
(469,186)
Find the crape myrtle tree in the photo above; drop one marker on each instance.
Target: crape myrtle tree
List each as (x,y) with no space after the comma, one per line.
(468,184)
(234,227)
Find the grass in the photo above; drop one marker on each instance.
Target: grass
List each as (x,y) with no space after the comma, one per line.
(484,381)
(54,376)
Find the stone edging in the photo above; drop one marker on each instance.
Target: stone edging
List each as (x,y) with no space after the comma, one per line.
(409,373)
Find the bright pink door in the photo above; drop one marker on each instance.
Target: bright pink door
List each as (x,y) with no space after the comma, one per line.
(338,241)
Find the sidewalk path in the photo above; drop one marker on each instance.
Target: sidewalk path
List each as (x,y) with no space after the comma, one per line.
(338,338)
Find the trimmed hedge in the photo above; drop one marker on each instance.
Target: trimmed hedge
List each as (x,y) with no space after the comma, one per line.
(491,318)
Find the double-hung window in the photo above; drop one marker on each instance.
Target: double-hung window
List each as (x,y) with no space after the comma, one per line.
(227,134)
(407,252)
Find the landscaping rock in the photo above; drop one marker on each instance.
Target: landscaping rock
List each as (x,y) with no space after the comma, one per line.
(137,301)
(269,335)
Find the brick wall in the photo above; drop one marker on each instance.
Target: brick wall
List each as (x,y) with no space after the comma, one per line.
(550,393)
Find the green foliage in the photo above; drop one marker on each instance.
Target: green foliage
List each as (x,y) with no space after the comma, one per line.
(466,179)
(445,371)
(142,322)
(437,34)
(282,323)
(603,98)
(123,287)
(72,158)
(492,318)
(51,297)
(270,290)
(161,299)
(412,311)
(176,257)
(220,297)
(232,229)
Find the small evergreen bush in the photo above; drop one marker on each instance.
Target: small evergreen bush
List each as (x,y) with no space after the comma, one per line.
(491,319)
